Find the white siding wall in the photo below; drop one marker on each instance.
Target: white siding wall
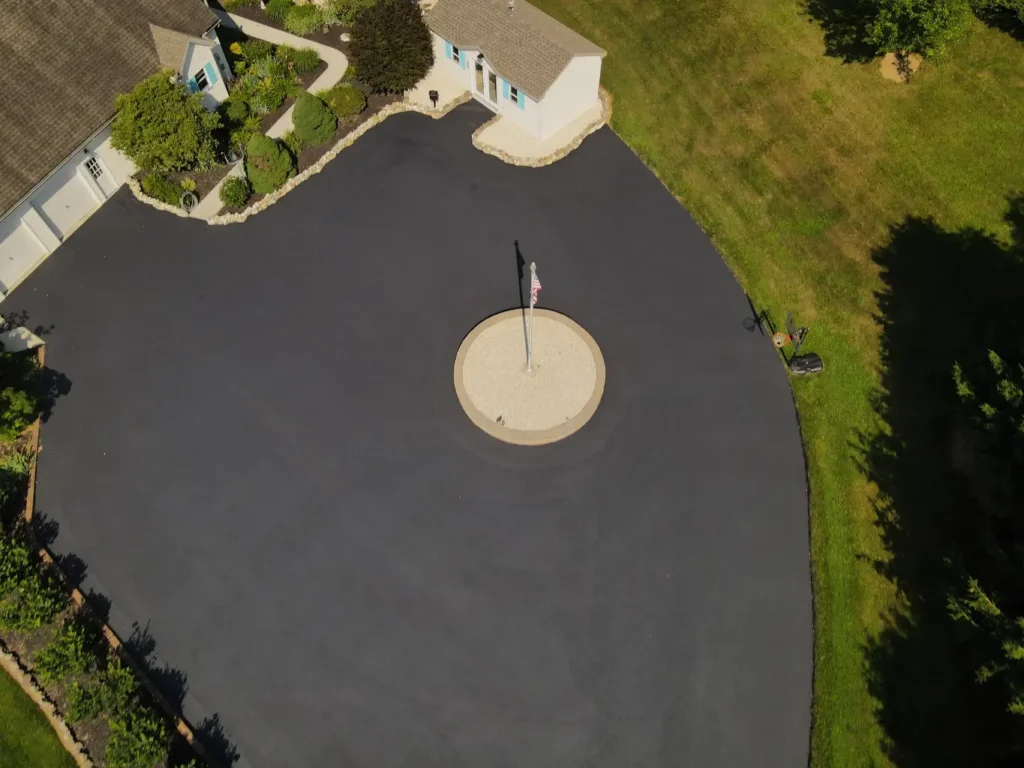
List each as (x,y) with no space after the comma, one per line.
(573,93)
(528,118)
(197,58)
(59,206)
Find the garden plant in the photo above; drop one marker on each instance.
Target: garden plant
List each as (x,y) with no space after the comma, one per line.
(268,164)
(391,46)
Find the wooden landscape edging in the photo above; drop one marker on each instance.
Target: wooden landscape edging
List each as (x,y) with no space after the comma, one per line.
(78,597)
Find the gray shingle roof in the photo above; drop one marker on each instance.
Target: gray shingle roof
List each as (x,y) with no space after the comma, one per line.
(524,45)
(64,62)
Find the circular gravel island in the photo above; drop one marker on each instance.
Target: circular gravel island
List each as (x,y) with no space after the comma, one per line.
(549,403)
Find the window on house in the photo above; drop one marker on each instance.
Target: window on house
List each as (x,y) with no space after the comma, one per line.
(455,53)
(92,165)
(513,94)
(201,81)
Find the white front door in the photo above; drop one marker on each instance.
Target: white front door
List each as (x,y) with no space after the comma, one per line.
(485,84)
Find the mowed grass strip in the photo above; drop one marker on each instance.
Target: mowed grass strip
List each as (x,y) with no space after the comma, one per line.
(796,164)
(26,738)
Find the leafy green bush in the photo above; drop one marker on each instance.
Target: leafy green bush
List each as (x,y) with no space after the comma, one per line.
(303,20)
(314,122)
(278,9)
(917,26)
(83,703)
(230,5)
(344,100)
(254,48)
(162,127)
(294,143)
(391,46)
(30,596)
(267,164)
(71,652)
(265,85)
(234,192)
(235,110)
(18,409)
(158,186)
(189,184)
(240,136)
(346,11)
(137,740)
(14,469)
(299,59)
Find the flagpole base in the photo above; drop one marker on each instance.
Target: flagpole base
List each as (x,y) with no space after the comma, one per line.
(549,401)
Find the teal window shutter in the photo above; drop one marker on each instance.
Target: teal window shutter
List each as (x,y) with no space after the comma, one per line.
(463,59)
(522,100)
(211,73)
(447,49)
(192,87)
(504,88)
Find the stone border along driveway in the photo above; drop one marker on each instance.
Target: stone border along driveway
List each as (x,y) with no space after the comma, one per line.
(16,340)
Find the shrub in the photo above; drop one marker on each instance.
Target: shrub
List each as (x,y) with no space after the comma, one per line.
(917,26)
(240,136)
(158,186)
(344,100)
(189,184)
(303,20)
(278,9)
(71,652)
(230,5)
(265,85)
(300,59)
(37,598)
(14,469)
(235,110)
(162,127)
(293,141)
(267,164)
(83,703)
(255,48)
(18,409)
(391,46)
(137,739)
(314,121)
(346,11)
(234,192)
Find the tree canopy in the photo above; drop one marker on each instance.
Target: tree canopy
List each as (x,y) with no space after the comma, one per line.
(391,46)
(162,127)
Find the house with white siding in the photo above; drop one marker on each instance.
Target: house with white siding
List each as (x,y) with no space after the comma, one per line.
(517,61)
(57,164)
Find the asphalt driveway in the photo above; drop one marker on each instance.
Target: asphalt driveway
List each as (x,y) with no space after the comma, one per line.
(262,456)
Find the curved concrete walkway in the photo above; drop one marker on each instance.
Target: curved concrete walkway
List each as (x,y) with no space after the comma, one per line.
(336,61)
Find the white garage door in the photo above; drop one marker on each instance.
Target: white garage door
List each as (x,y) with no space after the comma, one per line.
(65,200)
(19,252)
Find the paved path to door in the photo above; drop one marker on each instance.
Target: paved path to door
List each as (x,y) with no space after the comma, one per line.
(262,457)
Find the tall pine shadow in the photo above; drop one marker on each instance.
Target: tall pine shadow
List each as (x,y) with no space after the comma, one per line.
(948,298)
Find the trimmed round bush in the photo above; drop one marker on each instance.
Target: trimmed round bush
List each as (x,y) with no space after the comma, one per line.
(278,9)
(235,191)
(303,20)
(344,100)
(314,122)
(267,164)
(391,46)
(158,186)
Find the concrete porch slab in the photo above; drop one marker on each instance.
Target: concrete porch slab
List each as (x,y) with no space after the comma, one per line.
(507,141)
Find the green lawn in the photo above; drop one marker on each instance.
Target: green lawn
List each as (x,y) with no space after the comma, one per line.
(797,164)
(26,738)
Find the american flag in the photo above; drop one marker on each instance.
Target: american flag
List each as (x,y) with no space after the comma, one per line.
(534,289)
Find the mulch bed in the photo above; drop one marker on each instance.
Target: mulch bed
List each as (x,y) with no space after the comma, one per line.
(332,37)
(205,180)
(305,80)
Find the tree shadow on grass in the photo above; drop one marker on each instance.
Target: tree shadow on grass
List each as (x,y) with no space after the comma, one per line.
(844,23)
(948,298)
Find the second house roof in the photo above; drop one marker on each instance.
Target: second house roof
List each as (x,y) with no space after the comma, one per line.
(522,43)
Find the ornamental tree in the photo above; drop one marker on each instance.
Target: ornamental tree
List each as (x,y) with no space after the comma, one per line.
(267,164)
(162,127)
(391,46)
(917,26)
(314,122)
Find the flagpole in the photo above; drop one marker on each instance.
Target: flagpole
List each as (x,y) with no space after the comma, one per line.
(533,299)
